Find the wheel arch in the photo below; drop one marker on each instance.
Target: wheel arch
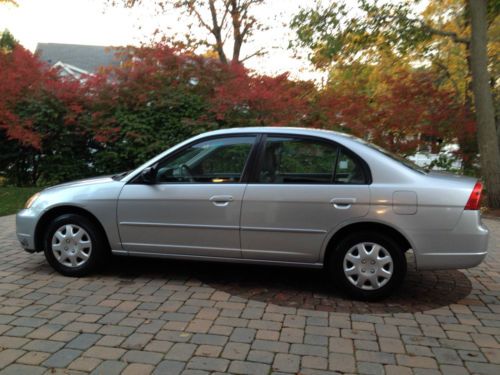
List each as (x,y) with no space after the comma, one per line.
(348,229)
(54,212)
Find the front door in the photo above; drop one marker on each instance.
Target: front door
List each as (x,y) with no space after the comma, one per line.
(193,208)
(303,188)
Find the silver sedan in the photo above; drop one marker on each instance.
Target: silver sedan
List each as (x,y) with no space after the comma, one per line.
(275,196)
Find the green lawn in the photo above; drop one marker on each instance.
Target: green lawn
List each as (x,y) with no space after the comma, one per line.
(12,199)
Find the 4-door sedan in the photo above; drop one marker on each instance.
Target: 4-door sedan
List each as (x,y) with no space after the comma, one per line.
(282,196)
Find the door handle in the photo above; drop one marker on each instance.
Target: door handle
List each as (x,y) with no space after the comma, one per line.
(221,200)
(342,203)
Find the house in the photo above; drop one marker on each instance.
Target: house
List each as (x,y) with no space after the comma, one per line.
(76,60)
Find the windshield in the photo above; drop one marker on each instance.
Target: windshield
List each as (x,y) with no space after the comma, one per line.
(406,162)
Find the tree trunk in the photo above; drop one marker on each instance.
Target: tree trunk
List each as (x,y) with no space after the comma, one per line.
(237,35)
(469,148)
(217,33)
(483,101)
(495,104)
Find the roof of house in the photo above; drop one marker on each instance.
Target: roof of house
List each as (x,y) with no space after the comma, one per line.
(88,58)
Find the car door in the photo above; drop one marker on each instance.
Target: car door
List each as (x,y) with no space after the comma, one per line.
(193,206)
(303,187)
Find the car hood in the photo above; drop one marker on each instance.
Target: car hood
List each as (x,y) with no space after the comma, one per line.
(88,181)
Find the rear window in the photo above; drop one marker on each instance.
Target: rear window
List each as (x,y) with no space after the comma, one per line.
(407,163)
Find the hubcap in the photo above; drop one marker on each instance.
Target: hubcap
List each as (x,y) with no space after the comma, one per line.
(71,245)
(368,266)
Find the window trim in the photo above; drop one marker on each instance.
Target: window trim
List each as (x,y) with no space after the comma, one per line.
(258,161)
(137,180)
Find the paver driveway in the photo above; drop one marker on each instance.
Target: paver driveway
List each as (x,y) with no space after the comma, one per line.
(143,316)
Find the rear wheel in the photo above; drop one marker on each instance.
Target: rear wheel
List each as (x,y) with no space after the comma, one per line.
(367,265)
(74,245)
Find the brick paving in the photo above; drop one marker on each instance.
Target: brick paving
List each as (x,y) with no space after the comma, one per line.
(144,316)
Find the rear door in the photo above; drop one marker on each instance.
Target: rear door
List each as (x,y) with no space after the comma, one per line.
(302,188)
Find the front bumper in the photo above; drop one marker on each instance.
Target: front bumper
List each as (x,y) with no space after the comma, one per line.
(26,221)
(463,247)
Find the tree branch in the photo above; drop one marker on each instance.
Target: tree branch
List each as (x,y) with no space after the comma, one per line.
(224,16)
(12,2)
(256,53)
(453,36)
(447,73)
(202,22)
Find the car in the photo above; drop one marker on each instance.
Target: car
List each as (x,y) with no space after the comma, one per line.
(267,196)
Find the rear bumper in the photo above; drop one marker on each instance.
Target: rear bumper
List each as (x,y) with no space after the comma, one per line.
(463,247)
(438,261)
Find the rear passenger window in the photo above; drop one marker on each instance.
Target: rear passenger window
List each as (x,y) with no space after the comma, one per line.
(349,170)
(290,160)
(297,161)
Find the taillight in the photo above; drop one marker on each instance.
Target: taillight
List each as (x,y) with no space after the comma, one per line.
(474,202)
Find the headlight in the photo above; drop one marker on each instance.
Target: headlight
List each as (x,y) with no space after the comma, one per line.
(32,200)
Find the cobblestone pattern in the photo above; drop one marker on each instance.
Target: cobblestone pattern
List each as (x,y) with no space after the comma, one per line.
(165,317)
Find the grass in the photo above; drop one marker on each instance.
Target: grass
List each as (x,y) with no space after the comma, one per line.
(12,199)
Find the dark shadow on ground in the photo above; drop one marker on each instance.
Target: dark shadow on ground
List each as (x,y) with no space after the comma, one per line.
(300,288)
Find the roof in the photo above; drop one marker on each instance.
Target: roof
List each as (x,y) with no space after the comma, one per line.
(325,133)
(85,57)
(70,70)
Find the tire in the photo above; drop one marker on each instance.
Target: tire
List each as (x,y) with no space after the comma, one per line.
(74,245)
(368,266)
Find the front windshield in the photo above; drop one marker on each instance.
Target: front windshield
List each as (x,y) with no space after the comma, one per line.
(406,162)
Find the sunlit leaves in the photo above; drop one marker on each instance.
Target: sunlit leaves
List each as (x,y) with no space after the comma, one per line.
(339,32)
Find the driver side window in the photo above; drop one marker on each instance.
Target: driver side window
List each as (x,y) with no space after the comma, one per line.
(220,160)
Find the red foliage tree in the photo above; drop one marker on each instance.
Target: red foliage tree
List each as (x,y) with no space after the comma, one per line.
(23,77)
(20,74)
(409,114)
(246,99)
(153,99)
(158,96)
(39,114)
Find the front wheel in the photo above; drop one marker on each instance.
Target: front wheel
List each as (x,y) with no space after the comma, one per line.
(74,246)
(368,266)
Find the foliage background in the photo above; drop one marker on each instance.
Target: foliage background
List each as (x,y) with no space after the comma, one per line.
(396,78)
(55,129)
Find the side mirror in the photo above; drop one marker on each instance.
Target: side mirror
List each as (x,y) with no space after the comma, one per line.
(149,175)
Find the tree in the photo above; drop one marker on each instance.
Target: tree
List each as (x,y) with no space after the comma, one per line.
(333,35)
(126,114)
(159,96)
(244,98)
(152,101)
(40,122)
(224,20)
(409,114)
(7,41)
(485,112)
(452,60)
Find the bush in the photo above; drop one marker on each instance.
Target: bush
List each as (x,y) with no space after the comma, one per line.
(43,138)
